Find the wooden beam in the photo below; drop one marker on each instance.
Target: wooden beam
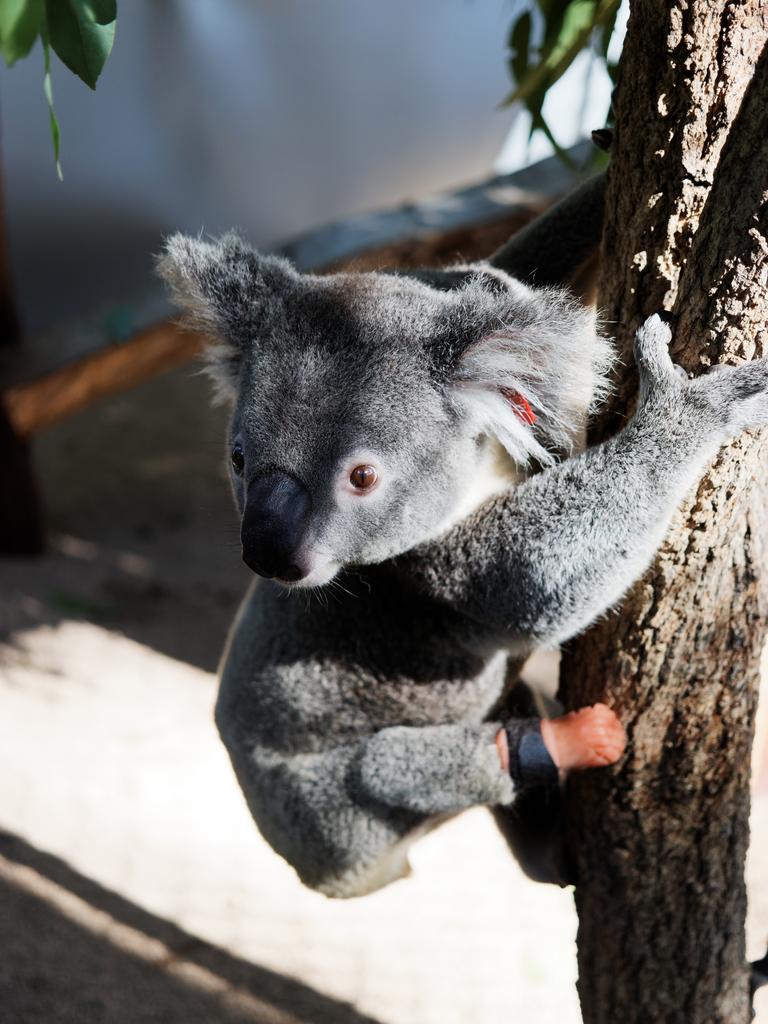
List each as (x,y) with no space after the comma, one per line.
(37,402)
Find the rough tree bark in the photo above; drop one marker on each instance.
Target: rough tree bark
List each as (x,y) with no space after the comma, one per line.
(659,844)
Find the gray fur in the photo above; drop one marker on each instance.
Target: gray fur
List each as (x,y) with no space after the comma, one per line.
(357,715)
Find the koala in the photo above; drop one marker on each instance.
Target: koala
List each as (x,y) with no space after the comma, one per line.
(383,436)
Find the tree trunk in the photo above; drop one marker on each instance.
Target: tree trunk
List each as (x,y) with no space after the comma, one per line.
(658,844)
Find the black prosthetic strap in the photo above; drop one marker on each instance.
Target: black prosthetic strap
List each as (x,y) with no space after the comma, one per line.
(530,763)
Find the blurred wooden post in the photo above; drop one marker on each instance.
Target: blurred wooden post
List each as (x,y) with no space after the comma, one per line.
(21,530)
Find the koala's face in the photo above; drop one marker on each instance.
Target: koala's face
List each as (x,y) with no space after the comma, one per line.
(342,457)
(362,403)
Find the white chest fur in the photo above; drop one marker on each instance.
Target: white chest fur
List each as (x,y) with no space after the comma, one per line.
(494,472)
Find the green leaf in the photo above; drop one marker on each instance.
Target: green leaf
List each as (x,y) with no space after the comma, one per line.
(48,90)
(78,604)
(575,29)
(538,123)
(607,31)
(569,26)
(20,23)
(580,20)
(598,159)
(519,42)
(554,12)
(80,36)
(104,11)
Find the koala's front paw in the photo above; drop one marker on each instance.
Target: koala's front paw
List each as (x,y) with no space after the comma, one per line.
(652,353)
(662,384)
(721,404)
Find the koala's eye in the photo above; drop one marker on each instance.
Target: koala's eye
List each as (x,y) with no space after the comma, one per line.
(363,478)
(238,460)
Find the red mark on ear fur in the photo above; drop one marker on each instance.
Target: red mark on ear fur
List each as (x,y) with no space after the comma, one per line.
(520,404)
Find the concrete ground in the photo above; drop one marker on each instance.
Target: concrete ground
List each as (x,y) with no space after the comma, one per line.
(134,885)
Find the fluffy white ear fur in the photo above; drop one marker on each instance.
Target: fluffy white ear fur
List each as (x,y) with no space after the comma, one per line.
(228,291)
(185,265)
(557,361)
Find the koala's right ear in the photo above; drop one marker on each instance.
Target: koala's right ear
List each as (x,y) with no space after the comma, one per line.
(229,292)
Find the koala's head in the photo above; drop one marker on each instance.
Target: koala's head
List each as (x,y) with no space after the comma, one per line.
(362,404)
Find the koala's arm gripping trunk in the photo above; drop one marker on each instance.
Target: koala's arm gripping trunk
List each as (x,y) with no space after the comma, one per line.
(551,249)
(541,562)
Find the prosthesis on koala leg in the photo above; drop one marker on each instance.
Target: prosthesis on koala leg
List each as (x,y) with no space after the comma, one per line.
(536,751)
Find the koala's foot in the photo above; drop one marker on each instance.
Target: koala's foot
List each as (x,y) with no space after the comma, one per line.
(591,737)
(533,751)
(534,826)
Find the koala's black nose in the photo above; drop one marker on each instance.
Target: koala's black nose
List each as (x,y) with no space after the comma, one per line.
(274,525)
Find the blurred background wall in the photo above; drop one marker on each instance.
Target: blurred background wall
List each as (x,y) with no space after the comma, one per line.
(274,115)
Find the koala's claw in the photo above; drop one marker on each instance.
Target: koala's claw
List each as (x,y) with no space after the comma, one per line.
(654,330)
(652,349)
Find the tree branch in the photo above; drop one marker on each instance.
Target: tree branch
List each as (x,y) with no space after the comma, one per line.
(536,254)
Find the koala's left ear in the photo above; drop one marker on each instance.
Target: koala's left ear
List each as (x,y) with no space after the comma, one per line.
(532,368)
(228,291)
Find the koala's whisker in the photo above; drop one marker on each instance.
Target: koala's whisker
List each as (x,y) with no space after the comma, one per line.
(331,591)
(338,586)
(309,594)
(356,573)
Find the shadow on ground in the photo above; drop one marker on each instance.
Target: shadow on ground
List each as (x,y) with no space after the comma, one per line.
(77,953)
(142,534)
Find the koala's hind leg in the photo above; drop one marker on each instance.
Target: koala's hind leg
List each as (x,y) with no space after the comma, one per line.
(344,818)
(313,812)
(534,824)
